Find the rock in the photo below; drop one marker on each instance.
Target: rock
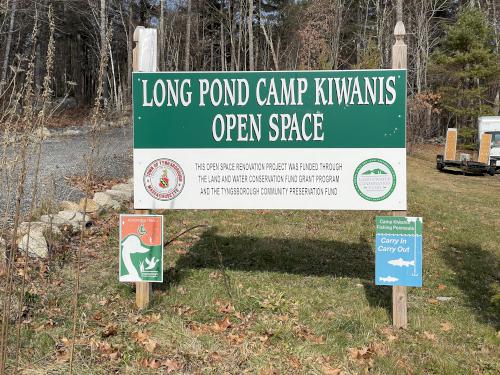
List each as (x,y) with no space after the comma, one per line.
(43,132)
(37,226)
(130,181)
(67,205)
(120,195)
(70,132)
(92,206)
(123,187)
(74,218)
(53,219)
(105,200)
(67,217)
(37,245)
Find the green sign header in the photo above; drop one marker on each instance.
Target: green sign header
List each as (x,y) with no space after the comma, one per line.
(399,225)
(301,109)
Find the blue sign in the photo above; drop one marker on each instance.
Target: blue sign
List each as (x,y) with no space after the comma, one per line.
(398,252)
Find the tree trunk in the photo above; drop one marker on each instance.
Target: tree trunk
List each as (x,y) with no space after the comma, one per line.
(104,46)
(162,35)
(251,65)
(5,66)
(188,36)
(222,41)
(130,42)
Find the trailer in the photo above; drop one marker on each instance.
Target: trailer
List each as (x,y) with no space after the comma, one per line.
(488,161)
(467,166)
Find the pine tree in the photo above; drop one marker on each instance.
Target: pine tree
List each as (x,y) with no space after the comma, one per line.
(465,69)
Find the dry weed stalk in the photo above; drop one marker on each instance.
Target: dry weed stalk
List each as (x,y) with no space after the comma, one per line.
(38,126)
(27,126)
(89,158)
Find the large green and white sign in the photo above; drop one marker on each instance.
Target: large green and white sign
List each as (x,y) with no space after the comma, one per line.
(270,140)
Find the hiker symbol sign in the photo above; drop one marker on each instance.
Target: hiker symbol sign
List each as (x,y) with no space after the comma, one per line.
(141,248)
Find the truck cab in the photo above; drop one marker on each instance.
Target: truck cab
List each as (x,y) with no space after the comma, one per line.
(491,125)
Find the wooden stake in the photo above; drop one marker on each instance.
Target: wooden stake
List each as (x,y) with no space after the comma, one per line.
(145,60)
(399,61)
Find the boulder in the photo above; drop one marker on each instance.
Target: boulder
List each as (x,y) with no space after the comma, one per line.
(92,206)
(67,205)
(67,217)
(36,226)
(37,245)
(75,218)
(106,201)
(53,219)
(43,132)
(124,187)
(71,132)
(120,195)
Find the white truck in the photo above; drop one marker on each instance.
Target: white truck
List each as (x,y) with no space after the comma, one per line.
(491,125)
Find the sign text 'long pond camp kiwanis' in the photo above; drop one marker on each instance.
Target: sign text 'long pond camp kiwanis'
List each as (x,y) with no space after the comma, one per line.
(270,140)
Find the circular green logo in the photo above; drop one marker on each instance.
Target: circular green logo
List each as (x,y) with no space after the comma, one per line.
(374,179)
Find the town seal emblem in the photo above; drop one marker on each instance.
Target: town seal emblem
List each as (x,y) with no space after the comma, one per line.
(164,179)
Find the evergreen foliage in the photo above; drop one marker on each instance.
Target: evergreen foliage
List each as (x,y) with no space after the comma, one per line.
(465,68)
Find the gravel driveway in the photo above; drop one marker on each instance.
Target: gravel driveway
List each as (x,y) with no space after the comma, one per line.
(63,155)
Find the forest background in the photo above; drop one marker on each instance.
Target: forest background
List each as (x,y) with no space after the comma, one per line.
(453,66)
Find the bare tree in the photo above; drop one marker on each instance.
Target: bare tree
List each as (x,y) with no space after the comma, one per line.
(5,65)
(188,36)
(251,62)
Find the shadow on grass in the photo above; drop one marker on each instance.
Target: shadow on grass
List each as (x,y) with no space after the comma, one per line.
(477,275)
(306,257)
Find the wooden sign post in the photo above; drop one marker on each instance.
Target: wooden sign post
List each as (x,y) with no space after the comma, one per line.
(399,296)
(144,60)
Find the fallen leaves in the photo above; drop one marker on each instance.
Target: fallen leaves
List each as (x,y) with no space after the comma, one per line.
(170,365)
(108,351)
(266,336)
(306,334)
(62,355)
(366,354)
(326,369)
(224,307)
(269,371)
(183,310)
(221,325)
(143,338)
(429,336)
(142,320)
(110,330)
(390,333)
(446,326)
(441,287)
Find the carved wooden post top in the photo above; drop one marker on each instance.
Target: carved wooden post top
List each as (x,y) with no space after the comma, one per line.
(399,31)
